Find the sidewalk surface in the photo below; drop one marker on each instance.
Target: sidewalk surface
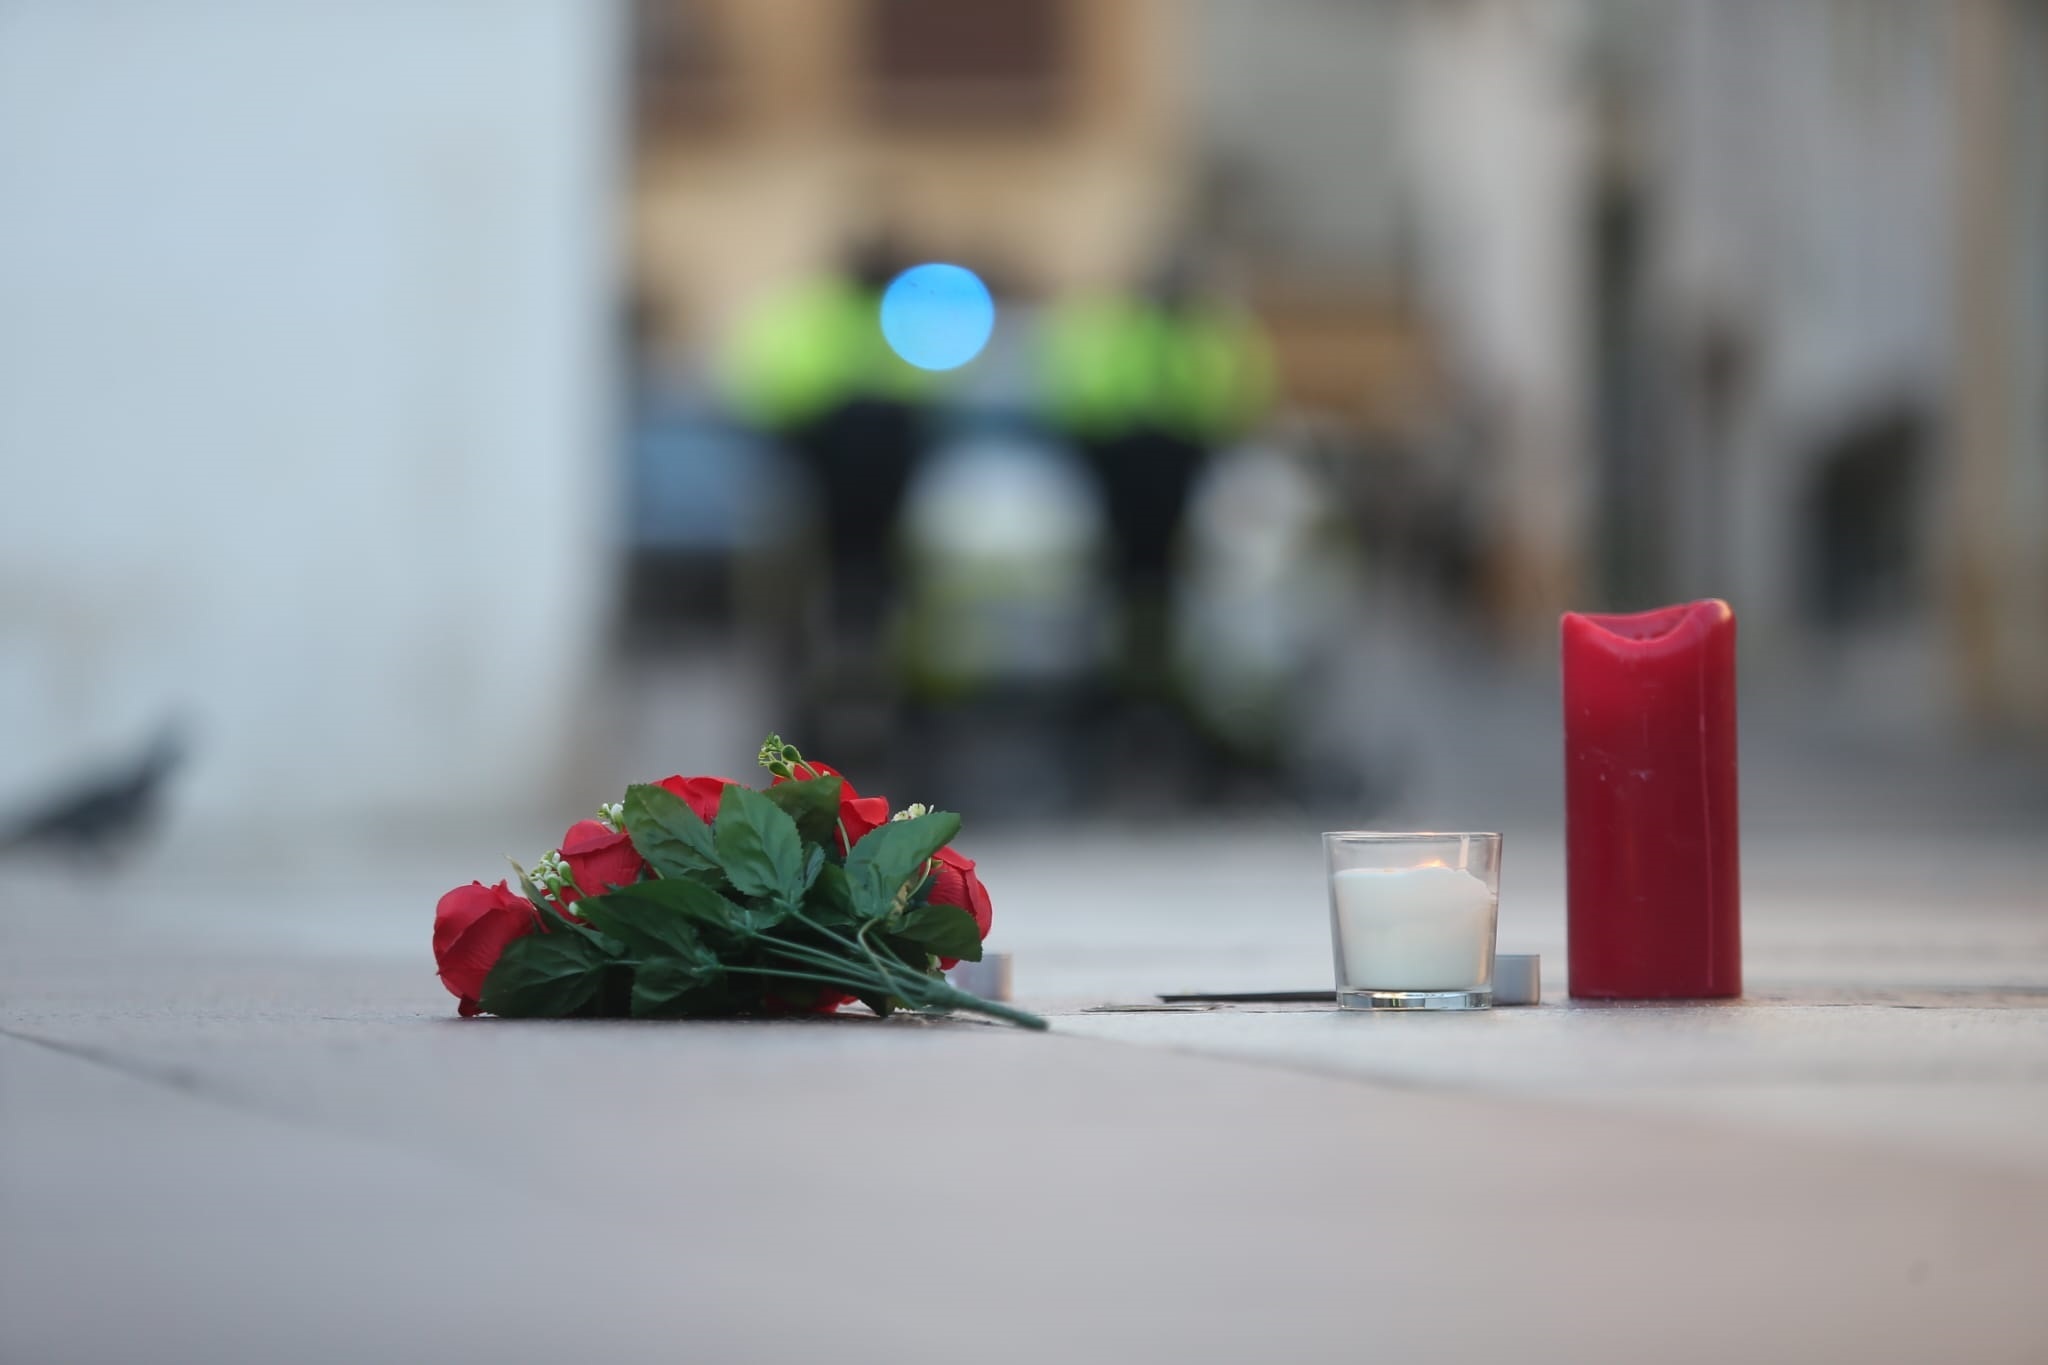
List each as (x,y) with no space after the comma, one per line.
(239,1122)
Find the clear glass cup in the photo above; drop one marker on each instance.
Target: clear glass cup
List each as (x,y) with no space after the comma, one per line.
(1412,919)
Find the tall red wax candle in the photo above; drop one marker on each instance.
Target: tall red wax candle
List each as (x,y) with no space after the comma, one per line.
(1652,874)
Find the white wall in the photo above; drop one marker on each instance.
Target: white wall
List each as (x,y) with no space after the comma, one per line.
(305,309)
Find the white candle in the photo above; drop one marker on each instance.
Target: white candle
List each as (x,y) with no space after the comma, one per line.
(1413,928)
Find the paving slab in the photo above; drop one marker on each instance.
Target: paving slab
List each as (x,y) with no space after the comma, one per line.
(239,1123)
(1953,1075)
(281,1169)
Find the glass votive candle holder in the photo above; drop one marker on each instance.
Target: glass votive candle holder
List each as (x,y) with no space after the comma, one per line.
(1412,919)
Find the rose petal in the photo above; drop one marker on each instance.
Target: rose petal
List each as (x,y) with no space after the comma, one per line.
(599,857)
(859,816)
(958,884)
(701,794)
(472,925)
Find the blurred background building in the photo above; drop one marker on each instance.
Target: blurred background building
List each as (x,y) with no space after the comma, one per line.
(376,391)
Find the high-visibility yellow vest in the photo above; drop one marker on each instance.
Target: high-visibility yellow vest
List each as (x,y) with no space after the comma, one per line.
(809,350)
(1111,365)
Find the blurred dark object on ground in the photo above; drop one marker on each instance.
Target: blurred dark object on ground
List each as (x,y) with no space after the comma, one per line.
(103,814)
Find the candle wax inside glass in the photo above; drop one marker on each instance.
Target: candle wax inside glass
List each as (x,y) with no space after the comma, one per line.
(1414,928)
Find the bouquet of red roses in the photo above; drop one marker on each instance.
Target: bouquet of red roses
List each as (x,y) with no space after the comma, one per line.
(697,896)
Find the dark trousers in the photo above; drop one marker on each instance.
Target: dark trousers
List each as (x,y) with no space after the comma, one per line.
(1146,477)
(860,456)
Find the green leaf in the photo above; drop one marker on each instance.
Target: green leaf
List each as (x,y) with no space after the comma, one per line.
(667,833)
(658,917)
(943,930)
(720,916)
(946,930)
(814,804)
(882,1005)
(830,899)
(758,846)
(665,987)
(911,954)
(546,976)
(889,855)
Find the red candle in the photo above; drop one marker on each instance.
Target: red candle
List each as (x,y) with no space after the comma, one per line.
(1652,877)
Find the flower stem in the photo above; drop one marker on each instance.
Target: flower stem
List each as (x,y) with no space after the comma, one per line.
(903,983)
(791,974)
(857,944)
(913,988)
(951,998)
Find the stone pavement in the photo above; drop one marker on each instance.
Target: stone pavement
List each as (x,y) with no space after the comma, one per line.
(238,1123)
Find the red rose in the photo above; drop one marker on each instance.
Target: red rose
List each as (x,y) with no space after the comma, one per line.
(857,814)
(860,814)
(956,884)
(472,925)
(599,857)
(701,794)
